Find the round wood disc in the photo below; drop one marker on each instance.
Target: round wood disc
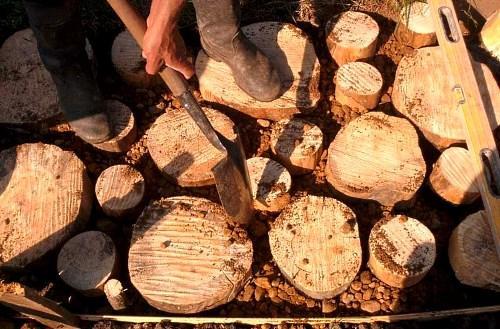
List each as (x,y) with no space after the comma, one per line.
(297,144)
(181,151)
(415,27)
(123,125)
(293,55)
(423,92)
(87,261)
(185,257)
(376,157)
(45,197)
(402,251)
(128,61)
(315,243)
(271,184)
(453,176)
(473,255)
(351,36)
(119,190)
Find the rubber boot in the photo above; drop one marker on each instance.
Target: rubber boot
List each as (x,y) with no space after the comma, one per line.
(223,40)
(61,44)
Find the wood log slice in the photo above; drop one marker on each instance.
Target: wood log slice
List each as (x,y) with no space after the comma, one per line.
(377,157)
(129,63)
(298,144)
(453,177)
(186,258)
(402,251)
(123,125)
(423,92)
(271,184)
(293,55)
(315,243)
(28,93)
(119,190)
(351,36)
(358,85)
(45,198)
(117,295)
(181,151)
(415,27)
(490,34)
(472,253)
(87,261)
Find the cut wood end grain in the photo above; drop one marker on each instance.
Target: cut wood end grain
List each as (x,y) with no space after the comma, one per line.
(490,34)
(186,258)
(402,251)
(415,27)
(315,243)
(117,296)
(119,190)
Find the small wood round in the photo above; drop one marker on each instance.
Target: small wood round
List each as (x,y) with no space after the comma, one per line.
(124,130)
(128,61)
(402,251)
(472,253)
(351,36)
(298,144)
(358,85)
(376,157)
(45,198)
(293,55)
(490,35)
(315,243)
(119,190)
(271,184)
(186,258)
(181,151)
(423,92)
(116,295)
(453,177)
(415,27)
(87,261)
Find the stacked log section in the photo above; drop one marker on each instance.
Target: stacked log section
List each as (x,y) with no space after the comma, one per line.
(119,190)
(423,92)
(415,27)
(297,144)
(181,151)
(473,255)
(186,258)
(315,243)
(358,85)
(270,182)
(490,34)
(453,176)
(292,54)
(45,198)
(402,251)
(376,157)
(117,295)
(351,36)
(128,61)
(87,261)
(123,128)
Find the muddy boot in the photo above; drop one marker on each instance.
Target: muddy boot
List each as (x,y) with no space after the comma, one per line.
(61,44)
(222,39)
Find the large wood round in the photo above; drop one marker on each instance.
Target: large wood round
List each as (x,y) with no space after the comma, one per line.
(423,92)
(315,243)
(453,176)
(119,190)
(45,197)
(181,151)
(185,258)
(294,57)
(402,251)
(377,157)
(351,36)
(358,85)
(87,261)
(473,255)
(415,27)
(270,182)
(298,144)
(490,34)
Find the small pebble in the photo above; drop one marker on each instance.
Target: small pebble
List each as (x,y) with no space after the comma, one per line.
(263,123)
(327,306)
